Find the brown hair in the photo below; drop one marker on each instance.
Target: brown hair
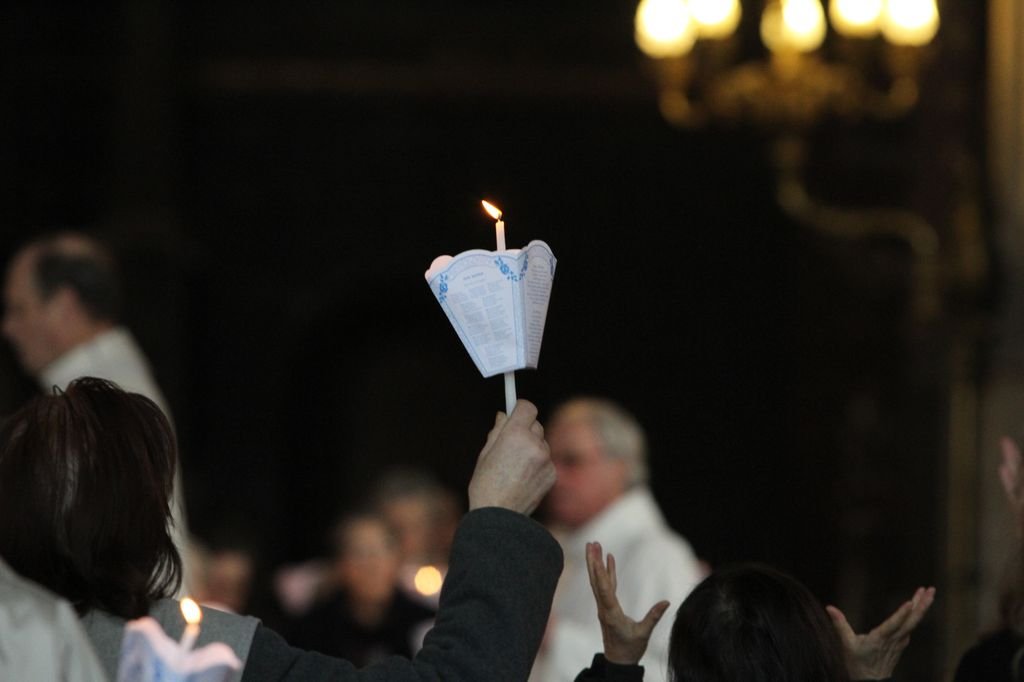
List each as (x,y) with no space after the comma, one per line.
(85,487)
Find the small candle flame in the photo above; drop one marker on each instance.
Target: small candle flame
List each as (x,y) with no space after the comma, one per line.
(191,611)
(492,210)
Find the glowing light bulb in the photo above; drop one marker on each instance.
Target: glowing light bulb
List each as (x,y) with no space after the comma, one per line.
(797,25)
(856,18)
(664,28)
(715,18)
(804,22)
(910,22)
(772,33)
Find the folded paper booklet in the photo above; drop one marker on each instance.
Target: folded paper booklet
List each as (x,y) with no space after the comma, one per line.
(149,655)
(497,301)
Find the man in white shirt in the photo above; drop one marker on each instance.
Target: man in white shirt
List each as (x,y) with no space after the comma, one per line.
(62,299)
(601,494)
(41,638)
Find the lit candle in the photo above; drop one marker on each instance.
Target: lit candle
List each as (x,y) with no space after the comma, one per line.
(193,614)
(499,226)
(499,234)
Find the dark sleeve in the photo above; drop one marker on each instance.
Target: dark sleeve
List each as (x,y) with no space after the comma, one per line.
(603,670)
(272,658)
(494,607)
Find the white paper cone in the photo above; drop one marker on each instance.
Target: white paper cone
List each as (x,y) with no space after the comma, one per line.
(497,302)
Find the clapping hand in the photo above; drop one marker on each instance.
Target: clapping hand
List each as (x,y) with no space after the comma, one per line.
(874,656)
(625,639)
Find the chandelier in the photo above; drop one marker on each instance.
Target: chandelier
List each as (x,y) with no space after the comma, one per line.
(797,69)
(787,72)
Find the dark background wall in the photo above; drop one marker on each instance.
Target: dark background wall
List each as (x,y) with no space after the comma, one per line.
(277,177)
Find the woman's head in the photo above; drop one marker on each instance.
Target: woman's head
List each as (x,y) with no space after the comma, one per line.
(367,558)
(752,623)
(85,486)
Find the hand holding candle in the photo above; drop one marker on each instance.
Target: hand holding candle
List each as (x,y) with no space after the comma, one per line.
(499,232)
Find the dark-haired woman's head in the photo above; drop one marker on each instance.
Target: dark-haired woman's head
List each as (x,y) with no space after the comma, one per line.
(85,487)
(752,623)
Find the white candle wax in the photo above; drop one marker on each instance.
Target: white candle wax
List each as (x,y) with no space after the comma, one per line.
(188,637)
(499,235)
(510,377)
(510,392)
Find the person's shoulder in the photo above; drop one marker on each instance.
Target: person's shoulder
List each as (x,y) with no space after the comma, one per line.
(666,557)
(23,598)
(41,633)
(1005,640)
(993,658)
(167,612)
(664,539)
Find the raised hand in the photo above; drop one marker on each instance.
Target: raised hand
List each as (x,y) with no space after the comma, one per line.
(625,640)
(874,656)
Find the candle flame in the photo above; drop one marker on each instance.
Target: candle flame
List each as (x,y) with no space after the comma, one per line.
(191,611)
(492,210)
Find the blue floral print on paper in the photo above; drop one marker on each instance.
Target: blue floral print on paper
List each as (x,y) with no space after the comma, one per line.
(442,295)
(507,271)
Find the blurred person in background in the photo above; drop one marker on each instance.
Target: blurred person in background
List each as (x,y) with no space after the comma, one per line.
(62,302)
(600,453)
(423,516)
(223,577)
(365,617)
